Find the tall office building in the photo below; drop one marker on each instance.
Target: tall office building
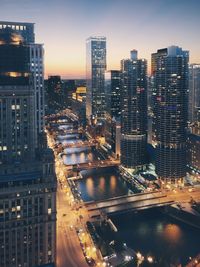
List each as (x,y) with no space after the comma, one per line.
(170,71)
(193,149)
(54,93)
(27,177)
(24,32)
(95,75)
(112,92)
(194,92)
(37,71)
(17,131)
(133,111)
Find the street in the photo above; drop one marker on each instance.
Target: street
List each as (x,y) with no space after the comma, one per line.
(69,253)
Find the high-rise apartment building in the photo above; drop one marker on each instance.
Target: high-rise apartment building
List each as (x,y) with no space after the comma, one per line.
(170,71)
(133,111)
(27,177)
(95,75)
(194,92)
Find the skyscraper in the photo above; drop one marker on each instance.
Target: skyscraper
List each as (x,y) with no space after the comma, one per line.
(194,92)
(133,111)
(37,71)
(25,33)
(23,29)
(27,178)
(170,70)
(54,93)
(112,92)
(18,131)
(95,75)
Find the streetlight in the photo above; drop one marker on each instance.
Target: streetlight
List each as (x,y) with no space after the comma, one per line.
(150,259)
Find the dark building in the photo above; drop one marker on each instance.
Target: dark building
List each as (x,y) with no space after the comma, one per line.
(193,143)
(24,30)
(78,105)
(133,112)
(112,91)
(112,111)
(194,92)
(193,148)
(27,177)
(170,71)
(54,93)
(17,131)
(24,33)
(69,87)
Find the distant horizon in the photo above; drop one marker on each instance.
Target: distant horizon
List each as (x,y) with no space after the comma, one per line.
(143,25)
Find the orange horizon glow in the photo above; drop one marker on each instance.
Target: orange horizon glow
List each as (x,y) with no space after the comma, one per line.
(143,25)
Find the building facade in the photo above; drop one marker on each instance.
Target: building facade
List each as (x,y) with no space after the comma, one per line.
(133,112)
(95,75)
(24,33)
(112,92)
(24,30)
(27,177)
(170,70)
(28,213)
(37,71)
(54,93)
(194,92)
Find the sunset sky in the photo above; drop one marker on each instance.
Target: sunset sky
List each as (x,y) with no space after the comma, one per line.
(146,25)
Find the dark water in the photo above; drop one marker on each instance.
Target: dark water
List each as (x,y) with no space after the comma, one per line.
(101,184)
(153,233)
(79,155)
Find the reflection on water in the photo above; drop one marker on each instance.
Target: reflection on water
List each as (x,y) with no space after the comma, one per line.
(153,233)
(172,233)
(101,184)
(90,186)
(66,127)
(113,183)
(79,155)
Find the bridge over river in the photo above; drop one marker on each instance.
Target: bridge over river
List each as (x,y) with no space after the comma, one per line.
(141,201)
(92,165)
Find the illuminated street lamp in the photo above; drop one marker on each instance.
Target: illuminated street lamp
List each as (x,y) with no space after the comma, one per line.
(150,259)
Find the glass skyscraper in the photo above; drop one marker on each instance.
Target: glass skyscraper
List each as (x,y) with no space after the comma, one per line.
(170,71)
(95,75)
(133,111)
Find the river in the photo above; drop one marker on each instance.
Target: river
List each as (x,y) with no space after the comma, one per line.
(149,232)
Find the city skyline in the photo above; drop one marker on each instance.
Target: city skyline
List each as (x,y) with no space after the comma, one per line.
(66,25)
